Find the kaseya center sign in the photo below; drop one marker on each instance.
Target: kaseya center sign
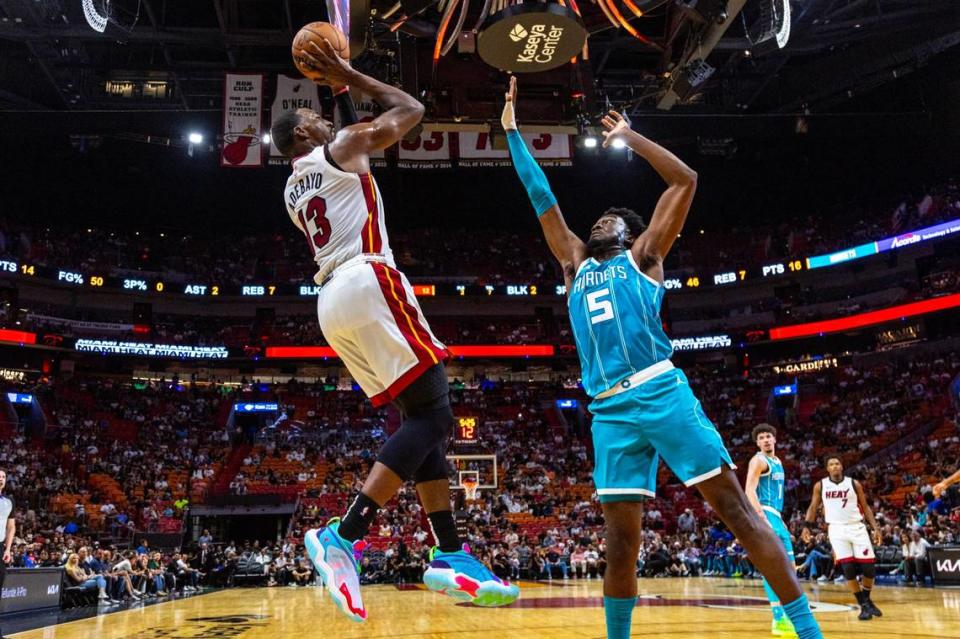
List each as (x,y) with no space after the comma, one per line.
(527,38)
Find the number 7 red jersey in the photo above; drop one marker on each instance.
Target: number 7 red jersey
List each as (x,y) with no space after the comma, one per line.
(340,213)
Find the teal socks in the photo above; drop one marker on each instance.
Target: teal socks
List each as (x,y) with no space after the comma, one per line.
(619,613)
(799,613)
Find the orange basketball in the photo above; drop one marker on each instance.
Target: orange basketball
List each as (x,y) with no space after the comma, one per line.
(316,32)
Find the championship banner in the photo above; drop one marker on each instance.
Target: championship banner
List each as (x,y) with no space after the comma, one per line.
(430,149)
(242,121)
(292,94)
(549,149)
(366,109)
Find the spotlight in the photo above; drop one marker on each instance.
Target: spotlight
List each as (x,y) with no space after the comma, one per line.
(266,138)
(590,142)
(195,138)
(618,144)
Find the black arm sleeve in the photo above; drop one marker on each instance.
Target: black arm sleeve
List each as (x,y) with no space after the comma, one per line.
(348,113)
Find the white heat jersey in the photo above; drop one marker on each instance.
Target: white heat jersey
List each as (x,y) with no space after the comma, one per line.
(340,213)
(840,504)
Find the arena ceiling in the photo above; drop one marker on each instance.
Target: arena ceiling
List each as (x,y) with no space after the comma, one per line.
(174,54)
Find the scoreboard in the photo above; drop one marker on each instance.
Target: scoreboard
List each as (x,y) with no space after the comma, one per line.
(467,431)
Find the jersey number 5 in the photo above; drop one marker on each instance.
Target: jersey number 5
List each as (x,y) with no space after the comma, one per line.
(313,219)
(600,309)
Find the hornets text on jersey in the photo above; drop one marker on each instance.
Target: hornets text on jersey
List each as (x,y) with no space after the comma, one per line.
(770,487)
(615,316)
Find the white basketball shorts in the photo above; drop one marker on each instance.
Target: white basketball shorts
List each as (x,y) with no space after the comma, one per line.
(370,317)
(851,543)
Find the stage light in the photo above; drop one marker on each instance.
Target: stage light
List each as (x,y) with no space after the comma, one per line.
(590,142)
(195,138)
(618,144)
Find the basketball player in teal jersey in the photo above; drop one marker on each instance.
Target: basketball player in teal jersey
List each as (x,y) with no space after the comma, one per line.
(643,407)
(765,480)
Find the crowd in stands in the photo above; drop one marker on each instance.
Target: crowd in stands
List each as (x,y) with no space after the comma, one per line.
(116,458)
(483,256)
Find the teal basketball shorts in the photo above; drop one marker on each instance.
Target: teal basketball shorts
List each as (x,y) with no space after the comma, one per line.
(633,429)
(780,528)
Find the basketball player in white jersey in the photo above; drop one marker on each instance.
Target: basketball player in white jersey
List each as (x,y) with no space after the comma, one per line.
(844,508)
(370,316)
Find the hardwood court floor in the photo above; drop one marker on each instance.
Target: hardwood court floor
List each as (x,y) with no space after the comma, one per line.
(674,608)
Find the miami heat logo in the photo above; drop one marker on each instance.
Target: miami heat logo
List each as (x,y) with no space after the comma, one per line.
(237,146)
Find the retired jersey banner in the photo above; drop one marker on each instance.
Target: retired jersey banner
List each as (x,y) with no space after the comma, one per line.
(549,149)
(430,149)
(242,120)
(292,94)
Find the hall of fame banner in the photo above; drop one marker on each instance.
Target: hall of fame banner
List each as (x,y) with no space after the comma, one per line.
(434,145)
(483,149)
(242,120)
(428,150)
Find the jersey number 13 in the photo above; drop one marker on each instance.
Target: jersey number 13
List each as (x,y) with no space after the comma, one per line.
(313,219)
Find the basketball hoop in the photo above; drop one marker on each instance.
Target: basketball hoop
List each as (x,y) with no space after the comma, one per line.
(470,488)
(470,482)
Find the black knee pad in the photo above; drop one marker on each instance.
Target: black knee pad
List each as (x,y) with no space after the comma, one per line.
(434,467)
(426,428)
(428,392)
(869,570)
(850,571)
(415,442)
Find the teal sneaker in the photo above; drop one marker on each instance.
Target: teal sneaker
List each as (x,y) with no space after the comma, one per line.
(338,562)
(461,576)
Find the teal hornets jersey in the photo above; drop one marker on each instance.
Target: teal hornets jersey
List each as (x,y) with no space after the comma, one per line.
(615,317)
(770,488)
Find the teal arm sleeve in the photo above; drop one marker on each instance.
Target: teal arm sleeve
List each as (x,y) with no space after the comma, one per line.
(531,175)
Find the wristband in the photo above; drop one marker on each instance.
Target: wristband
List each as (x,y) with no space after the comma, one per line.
(348,113)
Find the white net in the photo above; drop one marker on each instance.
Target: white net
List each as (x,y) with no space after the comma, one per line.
(470,482)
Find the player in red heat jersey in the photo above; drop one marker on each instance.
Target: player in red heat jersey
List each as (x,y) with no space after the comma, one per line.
(370,316)
(844,509)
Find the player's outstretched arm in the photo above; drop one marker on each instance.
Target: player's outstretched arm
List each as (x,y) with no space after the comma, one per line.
(811,517)
(941,486)
(569,249)
(401,112)
(867,512)
(668,218)
(754,470)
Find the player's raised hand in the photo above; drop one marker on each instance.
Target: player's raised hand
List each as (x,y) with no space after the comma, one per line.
(508,118)
(614,127)
(938,489)
(331,67)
